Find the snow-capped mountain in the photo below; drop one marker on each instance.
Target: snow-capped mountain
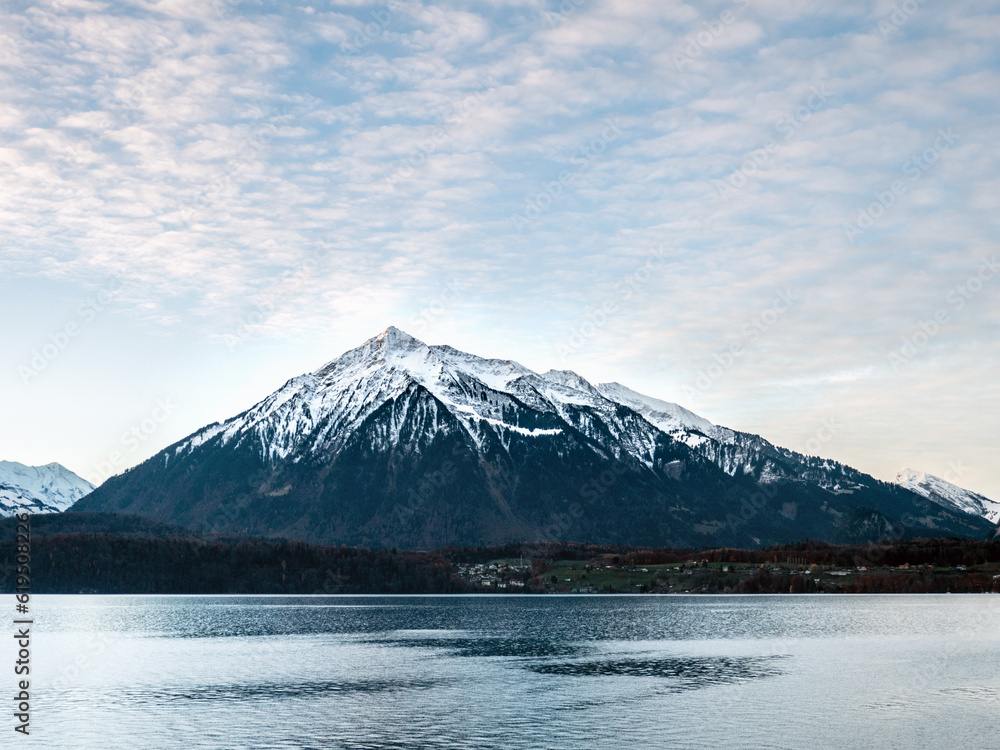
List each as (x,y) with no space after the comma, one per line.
(51,488)
(950,496)
(398,443)
(317,412)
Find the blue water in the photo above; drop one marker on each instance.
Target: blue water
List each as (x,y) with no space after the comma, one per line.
(511,672)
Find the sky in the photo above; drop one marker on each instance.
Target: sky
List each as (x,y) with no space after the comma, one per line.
(781,214)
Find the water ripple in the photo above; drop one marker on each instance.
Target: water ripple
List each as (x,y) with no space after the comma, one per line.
(974,693)
(485,646)
(690,672)
(270,691)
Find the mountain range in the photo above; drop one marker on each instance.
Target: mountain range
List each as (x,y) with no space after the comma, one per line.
(51,488)
(400,444)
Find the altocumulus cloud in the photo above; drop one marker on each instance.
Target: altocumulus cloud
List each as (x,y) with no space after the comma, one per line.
(209,152)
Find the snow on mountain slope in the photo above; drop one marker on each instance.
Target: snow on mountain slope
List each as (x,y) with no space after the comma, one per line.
(315,413)
(317,410)
(51,488)
(672,419)
(734,452)
(949,495)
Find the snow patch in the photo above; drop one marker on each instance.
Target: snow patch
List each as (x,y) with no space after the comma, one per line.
(535,432)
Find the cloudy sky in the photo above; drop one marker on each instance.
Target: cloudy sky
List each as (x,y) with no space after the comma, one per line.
(781,214)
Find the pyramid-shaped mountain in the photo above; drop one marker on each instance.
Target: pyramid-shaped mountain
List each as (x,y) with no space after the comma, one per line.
(401,444)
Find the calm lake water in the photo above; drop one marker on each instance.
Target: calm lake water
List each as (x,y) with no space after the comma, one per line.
(799,672)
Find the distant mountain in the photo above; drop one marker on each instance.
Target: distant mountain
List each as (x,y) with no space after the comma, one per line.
(51,488)
(401,444)
(948,495)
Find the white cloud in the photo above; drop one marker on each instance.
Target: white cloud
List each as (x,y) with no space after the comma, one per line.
(209,150)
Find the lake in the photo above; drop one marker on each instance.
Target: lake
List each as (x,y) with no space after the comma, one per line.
(560,672)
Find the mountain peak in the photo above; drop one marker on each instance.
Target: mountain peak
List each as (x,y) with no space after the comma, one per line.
(388,345)
(568,378)
(906,475)
(393,336)
(392,341)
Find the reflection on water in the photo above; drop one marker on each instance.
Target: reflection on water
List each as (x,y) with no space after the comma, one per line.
(688,673)
(691,672)
(489,646)
(272,691)
(518,673)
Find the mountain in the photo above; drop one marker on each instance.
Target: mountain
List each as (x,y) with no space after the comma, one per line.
(400,444)
(39,489)
(948,495)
